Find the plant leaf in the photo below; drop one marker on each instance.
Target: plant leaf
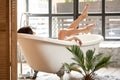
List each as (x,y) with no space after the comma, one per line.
(102,63)
(78,55)
(89,59)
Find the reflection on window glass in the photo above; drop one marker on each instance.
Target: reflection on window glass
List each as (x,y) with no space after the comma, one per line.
(62,6)
(60,23)
(39,25)
(95,5)
(38,6)
(112,28)
(112,6)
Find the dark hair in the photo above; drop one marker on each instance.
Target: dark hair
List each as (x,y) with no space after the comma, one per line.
(26,30)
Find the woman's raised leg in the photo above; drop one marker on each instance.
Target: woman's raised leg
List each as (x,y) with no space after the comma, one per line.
(80,30)
(80,18)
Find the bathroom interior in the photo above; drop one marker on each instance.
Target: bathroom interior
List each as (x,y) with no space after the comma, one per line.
(47,17)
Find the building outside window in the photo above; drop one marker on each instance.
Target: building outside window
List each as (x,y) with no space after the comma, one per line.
(47,17)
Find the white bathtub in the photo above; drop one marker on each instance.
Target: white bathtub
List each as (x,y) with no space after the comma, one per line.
(46,54)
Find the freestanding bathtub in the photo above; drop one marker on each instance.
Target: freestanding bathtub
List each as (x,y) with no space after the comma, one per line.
(48,55)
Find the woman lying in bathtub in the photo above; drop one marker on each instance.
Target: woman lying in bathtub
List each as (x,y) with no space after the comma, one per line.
(71,30)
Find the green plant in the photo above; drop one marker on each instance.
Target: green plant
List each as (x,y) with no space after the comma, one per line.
(87,63)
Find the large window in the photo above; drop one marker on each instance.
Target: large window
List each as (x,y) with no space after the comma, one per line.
(49,16)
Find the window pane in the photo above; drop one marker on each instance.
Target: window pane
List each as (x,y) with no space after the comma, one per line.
(60,23)
(112,28)
(91,20)
(20,11)
(39,26)
(95,5)
(112,5)
(62,6)
(38,6)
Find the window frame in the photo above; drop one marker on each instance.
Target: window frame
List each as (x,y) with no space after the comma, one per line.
(75,14)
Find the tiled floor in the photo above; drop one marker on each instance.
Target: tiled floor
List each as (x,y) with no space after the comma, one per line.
(114,73)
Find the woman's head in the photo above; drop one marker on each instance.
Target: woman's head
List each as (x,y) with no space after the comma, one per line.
(26,30)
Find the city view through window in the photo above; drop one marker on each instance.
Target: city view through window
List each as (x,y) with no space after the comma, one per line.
(47,17)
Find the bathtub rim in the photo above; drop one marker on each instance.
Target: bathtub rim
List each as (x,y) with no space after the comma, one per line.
(45,39)
(97,40)
(62,42)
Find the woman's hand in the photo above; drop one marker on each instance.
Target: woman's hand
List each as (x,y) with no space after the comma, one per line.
(76,39)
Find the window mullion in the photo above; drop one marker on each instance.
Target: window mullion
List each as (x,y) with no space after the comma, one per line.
(75,9)
(103,18)
(50,18)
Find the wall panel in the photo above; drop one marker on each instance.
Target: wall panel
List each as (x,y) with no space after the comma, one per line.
(7,30)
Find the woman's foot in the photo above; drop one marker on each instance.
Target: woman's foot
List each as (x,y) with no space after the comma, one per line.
(89,28)
(85,10)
